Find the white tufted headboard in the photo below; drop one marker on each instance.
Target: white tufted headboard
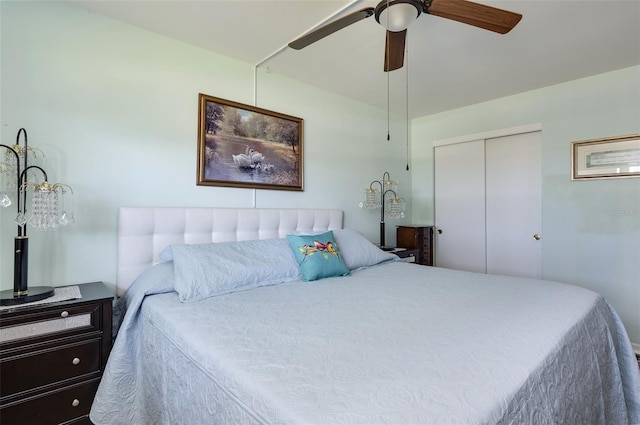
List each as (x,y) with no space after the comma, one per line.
(143,232)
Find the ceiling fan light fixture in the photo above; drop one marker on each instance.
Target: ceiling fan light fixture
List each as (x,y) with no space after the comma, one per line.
(397,15)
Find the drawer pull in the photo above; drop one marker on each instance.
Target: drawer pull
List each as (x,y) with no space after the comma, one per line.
(75,402)
(64,314)
(75,361)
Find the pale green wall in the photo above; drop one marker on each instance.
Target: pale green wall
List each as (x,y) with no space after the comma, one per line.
(591,229)
(115,110)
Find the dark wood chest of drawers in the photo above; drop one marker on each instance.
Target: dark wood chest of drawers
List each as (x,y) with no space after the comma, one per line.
(52,357)
(417,237)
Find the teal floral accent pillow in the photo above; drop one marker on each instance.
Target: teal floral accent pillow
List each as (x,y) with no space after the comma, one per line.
(318,256)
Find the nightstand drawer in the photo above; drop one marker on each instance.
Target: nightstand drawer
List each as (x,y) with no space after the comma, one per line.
(53,407)
(35,369)
(31,328)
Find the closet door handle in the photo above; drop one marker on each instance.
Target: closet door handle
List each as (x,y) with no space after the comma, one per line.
(536,237)
(439,231)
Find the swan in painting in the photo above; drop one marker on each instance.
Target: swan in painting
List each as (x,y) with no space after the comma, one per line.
(248,159)
(256,156)
(243,160)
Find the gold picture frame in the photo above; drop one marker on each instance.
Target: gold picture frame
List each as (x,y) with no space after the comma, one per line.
(611,157)
(249,147)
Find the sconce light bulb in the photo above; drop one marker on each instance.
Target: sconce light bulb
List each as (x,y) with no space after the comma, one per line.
(45,186)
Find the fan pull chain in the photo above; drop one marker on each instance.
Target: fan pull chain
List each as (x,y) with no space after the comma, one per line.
(388,89)
(406,55)
(388,110)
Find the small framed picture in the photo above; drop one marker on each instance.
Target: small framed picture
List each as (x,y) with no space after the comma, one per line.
(245,146)
(607,158)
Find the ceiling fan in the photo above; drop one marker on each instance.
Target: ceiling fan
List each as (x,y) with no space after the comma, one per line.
(396,15)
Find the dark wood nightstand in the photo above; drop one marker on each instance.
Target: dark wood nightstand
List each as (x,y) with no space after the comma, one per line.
(417,237)
(52,357)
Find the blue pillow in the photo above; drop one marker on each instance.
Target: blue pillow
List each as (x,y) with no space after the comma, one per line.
(318,256)
(358,252)
(207,270)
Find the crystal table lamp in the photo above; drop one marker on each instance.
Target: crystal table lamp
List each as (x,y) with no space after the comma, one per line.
(48,213)
(386,199)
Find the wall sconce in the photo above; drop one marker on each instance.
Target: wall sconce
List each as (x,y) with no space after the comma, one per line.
(386,199)
(48,213)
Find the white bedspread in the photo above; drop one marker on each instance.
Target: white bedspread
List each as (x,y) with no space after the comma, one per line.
(393,344)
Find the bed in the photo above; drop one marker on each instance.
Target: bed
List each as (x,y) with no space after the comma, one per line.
(219,323)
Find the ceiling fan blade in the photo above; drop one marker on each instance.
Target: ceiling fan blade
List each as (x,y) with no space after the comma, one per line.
(478,15)
(394,50)
(330,28)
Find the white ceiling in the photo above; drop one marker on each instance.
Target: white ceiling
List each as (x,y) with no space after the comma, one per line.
(450,64)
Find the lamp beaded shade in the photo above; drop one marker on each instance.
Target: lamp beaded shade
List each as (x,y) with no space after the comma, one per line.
(47,212)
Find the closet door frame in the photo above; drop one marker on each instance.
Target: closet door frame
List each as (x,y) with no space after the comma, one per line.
(510,131)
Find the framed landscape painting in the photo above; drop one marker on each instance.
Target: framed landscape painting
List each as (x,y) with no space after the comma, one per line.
(245,146)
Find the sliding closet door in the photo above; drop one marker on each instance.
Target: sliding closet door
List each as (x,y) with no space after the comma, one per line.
(459,206)
(513,205)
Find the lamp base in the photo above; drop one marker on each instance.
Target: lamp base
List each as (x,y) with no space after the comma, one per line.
(36,293)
